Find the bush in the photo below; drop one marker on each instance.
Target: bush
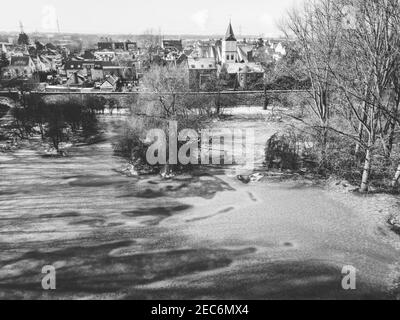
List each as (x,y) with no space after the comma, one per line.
(131,143)
(341,160)
(290,150)
(281,153)
(3,110)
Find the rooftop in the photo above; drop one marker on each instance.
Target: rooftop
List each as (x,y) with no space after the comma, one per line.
(230,35)
(202,63)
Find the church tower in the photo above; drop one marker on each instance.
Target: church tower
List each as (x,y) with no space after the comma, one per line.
(229,47)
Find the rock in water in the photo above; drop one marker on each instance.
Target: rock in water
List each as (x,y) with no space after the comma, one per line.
(395,223)
(244,179)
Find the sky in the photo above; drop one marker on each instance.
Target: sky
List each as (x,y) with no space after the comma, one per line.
(202,17)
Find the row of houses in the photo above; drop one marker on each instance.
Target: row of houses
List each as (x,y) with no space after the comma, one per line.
(53,64)
(25,60)
(78,72)
(240,64)
(110,64)
(225,59)
(112,46)
(25,66)
(73,73)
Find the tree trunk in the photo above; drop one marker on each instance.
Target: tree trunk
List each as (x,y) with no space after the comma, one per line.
(324,143)
(393,123)
(218,103)
(360,126)
(367,170)
(360,136)
(396,177)
(391,138)
(266,100)
(173,103)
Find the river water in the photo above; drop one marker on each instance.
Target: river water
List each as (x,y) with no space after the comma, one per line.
(204,235)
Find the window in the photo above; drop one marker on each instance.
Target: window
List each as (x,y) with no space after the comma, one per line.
(210,65)
(193,66)
(232,57)
(72,66)
(227,57)
(202,66)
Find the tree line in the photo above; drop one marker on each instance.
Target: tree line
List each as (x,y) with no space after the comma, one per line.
(349,52)
(56,122)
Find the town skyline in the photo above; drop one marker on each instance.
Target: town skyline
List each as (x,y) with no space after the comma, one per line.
(207,18)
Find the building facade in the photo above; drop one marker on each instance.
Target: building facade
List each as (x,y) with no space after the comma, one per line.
(20,67)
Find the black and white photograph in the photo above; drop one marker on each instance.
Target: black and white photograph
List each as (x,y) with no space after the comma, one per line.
(213,151)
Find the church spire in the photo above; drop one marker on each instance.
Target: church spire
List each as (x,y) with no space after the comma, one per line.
(230,36)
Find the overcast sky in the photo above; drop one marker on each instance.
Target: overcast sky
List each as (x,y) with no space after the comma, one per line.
(251,17)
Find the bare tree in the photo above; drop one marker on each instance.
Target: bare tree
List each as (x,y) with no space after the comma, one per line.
(364,72)
(316,29)
(165,97)
(166,86)
(396,177)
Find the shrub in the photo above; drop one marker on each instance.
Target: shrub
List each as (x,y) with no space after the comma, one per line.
(291,150)
(3,110)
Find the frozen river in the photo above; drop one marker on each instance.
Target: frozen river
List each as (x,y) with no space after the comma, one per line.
(205,235)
